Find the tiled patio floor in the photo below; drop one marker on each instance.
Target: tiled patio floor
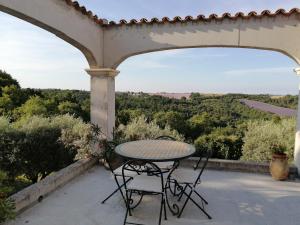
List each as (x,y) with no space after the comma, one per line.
(234,199)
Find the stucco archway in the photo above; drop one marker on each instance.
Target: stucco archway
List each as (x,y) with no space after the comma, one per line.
(277,33)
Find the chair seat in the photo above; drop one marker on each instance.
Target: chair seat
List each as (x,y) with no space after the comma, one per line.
(127,173)
(146,183)
(165,165)
(185,176)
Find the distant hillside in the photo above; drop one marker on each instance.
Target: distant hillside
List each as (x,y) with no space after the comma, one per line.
(280,111)
(172,95)
(180,95)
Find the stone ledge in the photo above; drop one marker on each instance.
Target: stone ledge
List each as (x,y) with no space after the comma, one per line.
(36,192)
(240,166)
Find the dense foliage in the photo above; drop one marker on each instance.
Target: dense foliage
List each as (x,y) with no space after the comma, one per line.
(140,129)
(215,122)
(210,121)
(262,135)
(37,146)
(6,205)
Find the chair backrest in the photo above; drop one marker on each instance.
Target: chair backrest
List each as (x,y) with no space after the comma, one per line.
(142,168)
(204,160)
(165,137)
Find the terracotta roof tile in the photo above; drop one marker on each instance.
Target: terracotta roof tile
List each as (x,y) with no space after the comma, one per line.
(178,19)
(84,11)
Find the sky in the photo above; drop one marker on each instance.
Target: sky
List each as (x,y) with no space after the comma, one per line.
(38,59)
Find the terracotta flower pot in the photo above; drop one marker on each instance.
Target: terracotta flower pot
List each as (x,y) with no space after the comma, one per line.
(279,167)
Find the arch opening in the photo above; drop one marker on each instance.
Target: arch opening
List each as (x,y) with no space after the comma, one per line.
(262,64)
(89,55)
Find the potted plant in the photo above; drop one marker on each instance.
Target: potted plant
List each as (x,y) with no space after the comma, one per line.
(279,166)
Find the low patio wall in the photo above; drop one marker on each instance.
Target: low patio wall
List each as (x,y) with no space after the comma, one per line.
(36,192)
(240,166)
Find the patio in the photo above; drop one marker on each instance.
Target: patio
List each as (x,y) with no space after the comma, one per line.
(248,199)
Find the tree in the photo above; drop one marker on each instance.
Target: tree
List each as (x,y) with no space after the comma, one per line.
(127,115)
(224,143)
(174,119)
(86,109)
(35,105)
(199,124)
(7,80)
(139,129)
(68,107)
(10,99)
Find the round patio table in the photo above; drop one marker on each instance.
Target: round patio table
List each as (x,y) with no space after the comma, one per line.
(155,150)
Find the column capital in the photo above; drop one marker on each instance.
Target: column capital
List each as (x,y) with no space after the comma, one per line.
(297,71)
(102,72)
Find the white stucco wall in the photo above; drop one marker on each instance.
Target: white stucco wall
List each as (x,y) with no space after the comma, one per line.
(278,33)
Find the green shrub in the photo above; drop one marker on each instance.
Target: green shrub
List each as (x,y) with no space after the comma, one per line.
(35,105)
(174,119)
(37,146)
(139,129)
(76,134)
(42,153)
(10,145)
(261,135)
(6,205)
(223,144)
(199,124)
(127,115)
(4,124)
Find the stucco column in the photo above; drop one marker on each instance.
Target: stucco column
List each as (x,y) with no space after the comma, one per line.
(103,99)
(297,138)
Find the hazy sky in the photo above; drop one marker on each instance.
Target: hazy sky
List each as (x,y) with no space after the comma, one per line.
(38,59)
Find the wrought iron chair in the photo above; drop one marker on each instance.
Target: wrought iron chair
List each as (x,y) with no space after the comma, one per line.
(165,165)
(117,175)
(149,180)
(187,181)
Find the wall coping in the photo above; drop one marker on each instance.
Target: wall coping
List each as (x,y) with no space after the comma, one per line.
(239,166)
(36,192)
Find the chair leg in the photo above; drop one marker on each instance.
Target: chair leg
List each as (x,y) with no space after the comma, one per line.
(202,209)
(180,197)
(161,209)
(165,210)
(186,201)
(116,190)
(203,199)
(128,202)
(126,214)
